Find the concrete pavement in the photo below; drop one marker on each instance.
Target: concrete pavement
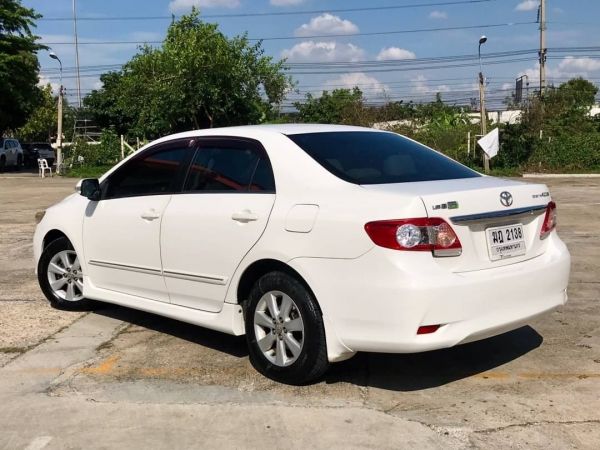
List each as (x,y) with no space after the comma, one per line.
(117,377)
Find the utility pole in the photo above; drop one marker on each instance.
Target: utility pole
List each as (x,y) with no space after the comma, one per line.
(483,119)
(59,132)
(543,50)
(77,53)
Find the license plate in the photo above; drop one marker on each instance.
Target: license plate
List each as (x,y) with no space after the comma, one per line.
(506,241)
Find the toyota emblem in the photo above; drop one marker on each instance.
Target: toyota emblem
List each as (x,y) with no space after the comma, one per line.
(506,198)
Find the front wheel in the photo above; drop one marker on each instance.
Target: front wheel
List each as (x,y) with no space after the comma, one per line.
(60,276)
(284,330)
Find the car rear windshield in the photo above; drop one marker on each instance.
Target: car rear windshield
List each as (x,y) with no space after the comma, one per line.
(364,157)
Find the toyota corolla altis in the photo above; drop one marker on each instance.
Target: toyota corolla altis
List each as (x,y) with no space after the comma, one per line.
(315,241)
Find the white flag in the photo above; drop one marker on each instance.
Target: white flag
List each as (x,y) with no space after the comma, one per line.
(490,143)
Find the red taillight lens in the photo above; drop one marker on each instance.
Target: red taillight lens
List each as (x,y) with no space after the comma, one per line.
(549,220)
(420,234)
(428,329)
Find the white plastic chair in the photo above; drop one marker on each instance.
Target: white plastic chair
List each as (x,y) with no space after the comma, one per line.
(43,166)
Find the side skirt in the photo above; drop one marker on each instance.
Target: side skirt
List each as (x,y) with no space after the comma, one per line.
(229,320)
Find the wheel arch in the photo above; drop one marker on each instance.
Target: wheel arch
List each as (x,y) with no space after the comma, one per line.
(52,235)
(261,267)
(336,350)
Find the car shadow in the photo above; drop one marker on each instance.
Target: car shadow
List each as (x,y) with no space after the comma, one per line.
(417,371)
(222,342)
(395,372)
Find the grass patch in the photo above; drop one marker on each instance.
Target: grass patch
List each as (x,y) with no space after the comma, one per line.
(13,349)
(86,171)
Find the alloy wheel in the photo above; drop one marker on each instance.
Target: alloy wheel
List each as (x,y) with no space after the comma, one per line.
(279,328)
(65,276)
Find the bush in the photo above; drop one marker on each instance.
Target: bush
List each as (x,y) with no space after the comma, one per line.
(567,153)
(105,153)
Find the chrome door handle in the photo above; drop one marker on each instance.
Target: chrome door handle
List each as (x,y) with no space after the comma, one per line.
(150,215)
(244,216)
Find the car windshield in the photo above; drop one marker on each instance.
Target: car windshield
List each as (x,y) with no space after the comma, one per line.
(364,157)
(41,146)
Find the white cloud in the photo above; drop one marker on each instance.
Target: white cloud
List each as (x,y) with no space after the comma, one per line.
(420,85)
(370,86)
(571,64)
(326,24)
(395,53)
(286,2)
(438,15)
(527,5)
(568,67)
(186,5)
(311,51)
(43,81)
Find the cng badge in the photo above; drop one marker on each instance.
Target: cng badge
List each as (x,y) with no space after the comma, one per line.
(448,205)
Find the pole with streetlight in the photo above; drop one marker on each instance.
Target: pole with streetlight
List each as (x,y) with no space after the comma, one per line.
(60,118)
(486,160)
(77,54)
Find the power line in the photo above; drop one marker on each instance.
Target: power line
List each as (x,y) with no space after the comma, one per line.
(317,36)
(277,13)
(101,68)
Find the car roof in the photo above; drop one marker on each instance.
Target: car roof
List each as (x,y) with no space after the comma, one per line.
(257,130)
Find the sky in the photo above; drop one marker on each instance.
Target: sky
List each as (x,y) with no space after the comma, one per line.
(329,49)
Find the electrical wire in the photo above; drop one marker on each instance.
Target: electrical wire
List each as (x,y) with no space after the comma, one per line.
(276,13)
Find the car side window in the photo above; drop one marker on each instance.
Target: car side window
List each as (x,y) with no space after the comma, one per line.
(229,168)
(262,180)
(154,172)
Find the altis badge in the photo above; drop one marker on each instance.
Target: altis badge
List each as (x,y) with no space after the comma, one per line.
(543,194)
(449,205)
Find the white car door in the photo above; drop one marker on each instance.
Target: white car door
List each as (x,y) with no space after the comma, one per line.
(207,229)
(121,232)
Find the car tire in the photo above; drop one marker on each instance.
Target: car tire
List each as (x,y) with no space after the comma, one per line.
(60,276)
(2,163)
(19,163)
(284,330)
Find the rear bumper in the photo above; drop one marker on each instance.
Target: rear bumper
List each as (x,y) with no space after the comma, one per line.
(378,301)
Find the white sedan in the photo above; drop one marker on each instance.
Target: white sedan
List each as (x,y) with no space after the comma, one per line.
(315,241)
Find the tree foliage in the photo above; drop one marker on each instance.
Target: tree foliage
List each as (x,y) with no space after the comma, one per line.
(556,131)
(42,122)
(199,78)
(18,64)
(341,106)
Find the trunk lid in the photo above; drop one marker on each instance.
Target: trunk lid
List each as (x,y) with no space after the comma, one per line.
(472,206)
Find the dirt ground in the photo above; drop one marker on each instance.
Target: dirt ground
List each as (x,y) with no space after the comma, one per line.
(165,384)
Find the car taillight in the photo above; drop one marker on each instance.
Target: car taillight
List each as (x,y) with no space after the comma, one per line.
(420,234)
(549,220)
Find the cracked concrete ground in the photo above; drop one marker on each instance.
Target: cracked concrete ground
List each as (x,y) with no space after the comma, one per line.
(117,377)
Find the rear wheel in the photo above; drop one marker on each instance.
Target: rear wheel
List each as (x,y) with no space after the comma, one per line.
(60,276)
(284,330)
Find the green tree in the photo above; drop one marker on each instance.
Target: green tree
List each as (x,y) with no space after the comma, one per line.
(342,106)
(199,78)
(42,123)
(18,64)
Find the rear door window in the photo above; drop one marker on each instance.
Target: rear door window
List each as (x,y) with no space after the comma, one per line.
(364,157)
(229,166)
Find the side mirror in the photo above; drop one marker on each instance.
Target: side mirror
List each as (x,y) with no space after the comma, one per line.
(90,188)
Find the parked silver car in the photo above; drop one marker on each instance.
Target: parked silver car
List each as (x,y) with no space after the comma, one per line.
(11,153)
